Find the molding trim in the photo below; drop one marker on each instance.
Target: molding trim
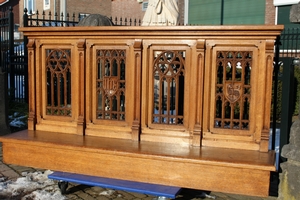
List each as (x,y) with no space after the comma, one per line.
(284,2)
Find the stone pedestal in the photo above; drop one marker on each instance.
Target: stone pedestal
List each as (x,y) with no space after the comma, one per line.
(4,127)
(289,187)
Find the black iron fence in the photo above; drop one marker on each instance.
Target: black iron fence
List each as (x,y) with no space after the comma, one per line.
(4,36)
(286,85)
(13,58)
(288,72)
(50,19)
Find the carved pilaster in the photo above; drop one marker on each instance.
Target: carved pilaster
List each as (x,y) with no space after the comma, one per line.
(31,85)
(197,132)
(81,83)
(136,125)
(264,140)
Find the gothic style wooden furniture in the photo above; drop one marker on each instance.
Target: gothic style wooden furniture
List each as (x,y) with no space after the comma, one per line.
(182,106)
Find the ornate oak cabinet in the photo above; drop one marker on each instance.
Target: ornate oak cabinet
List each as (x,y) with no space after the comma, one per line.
(183,106)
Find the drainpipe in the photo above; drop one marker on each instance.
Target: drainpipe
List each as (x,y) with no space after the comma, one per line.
(63,8)
(186,12)
(222,12)
(54,9)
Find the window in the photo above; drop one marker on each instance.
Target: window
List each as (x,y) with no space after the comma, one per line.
(30,5)
(144,6)
(83,15)
(46,4)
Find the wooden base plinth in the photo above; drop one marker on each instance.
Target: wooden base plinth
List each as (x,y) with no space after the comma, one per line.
(206,168)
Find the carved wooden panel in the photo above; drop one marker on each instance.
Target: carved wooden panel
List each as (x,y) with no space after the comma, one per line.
(58,83)
(166,91)
(110,84)
(110,89)
(58,75)
(205,86)
(168,78)
(233,89)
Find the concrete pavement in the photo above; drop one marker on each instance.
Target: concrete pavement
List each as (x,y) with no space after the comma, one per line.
(82,192)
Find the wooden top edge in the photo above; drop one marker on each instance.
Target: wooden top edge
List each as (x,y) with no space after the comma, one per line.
(162,28)
(205,155)
(260,29)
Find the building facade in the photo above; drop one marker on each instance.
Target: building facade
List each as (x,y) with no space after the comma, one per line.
(14,4)
(194,12)
(77,7)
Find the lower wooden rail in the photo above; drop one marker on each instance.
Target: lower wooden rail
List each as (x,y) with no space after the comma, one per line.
(206,168)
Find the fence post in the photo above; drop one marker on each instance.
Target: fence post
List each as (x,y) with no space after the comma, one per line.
(11,53)
(25,24)
(275,93)
(4,126)
(25,18)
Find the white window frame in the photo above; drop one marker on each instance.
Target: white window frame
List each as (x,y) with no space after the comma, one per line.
(284,2)
(30,5)
(46,4)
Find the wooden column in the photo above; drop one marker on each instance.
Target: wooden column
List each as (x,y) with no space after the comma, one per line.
(198,78)
(31,85)
(264,143)
(81,84)
(136,124)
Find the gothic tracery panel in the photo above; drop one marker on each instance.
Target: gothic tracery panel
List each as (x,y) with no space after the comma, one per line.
(168,78)
(58,75)
(110,84)
(233,90)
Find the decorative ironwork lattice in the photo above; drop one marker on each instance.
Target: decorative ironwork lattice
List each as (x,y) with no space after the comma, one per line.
(110,84)
(233,89)
(168,77)
(58,74)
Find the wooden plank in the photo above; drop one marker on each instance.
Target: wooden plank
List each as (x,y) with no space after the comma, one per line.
(131,186)
(215,169)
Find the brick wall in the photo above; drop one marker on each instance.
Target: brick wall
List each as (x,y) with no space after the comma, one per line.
(181,11)
(270,12)
(14,4)
(102,7)
(127,9)
(133,9)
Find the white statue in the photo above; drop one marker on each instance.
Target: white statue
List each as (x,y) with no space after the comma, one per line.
(161,13)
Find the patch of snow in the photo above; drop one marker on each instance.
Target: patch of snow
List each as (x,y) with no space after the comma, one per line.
(33,185)
(107,192)
(44,195)
(16,122)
